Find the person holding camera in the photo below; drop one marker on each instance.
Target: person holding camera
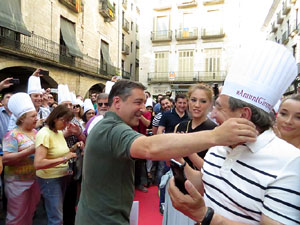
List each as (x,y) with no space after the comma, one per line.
(6,83)
(51,161)
(35,91)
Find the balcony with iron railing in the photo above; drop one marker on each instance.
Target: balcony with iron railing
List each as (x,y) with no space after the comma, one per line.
(107,10)
(107,69)
(186,34)
(186,77)
(125,74)
(160,36)
(286,7)
(279,17)
(125,49)
(212,33)
(41,49)
(125,24)
(137,44)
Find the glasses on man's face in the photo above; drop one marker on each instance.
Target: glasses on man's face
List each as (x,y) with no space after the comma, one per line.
(76,106)
(100,104)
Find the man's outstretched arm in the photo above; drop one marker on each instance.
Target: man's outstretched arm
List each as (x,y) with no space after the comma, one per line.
(163,147)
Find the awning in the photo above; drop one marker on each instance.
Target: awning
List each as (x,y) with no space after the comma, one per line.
(68,33)
(105,52)
(11,16)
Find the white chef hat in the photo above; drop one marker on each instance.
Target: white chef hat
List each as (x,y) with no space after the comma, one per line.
(34,85)
(87,105)
(149,102)
(63,93)
(260,73)
(78,102)
(108,86)
(19,104)
(73,97)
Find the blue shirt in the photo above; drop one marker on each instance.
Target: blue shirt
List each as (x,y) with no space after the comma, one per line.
(157,108)
(4,118)
(170,119)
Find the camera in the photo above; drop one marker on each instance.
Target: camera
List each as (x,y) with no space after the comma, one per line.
(15,81)
(44,72)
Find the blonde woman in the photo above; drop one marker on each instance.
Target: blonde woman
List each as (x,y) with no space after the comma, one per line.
(200,99)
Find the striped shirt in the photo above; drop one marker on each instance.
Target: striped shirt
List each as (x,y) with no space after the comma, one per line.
(248,180)
(155,122)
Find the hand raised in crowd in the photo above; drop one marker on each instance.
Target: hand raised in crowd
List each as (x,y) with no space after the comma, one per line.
(5,83)
(192,205)
(73,129)
(235,131)
(36,73)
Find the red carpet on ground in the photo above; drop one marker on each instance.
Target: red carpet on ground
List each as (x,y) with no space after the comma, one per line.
(148,207)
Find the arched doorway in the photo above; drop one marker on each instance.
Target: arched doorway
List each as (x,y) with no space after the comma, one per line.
(23,73)
(96,88)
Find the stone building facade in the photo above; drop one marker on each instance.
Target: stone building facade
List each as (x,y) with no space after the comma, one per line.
(78,41)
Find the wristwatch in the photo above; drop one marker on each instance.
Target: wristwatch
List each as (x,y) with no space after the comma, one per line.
(65,159)
(208,217)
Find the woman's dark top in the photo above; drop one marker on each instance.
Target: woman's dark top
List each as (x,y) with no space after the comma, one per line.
(186,127)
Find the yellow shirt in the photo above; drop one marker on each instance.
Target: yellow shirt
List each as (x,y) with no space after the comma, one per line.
(57,147)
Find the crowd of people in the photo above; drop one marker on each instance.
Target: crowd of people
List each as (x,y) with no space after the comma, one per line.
(85,157)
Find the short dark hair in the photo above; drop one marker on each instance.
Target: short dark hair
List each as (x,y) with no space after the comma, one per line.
(259,117)
(123,88)
(59,112)
(180,96)
(164,97)
(148,93)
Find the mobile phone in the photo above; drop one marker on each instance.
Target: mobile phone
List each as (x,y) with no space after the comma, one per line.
(15,81)
(44,72)
(179,175)
(53,90)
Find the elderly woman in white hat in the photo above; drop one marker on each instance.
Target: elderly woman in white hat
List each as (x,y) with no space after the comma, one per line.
(21,186)
(88,111)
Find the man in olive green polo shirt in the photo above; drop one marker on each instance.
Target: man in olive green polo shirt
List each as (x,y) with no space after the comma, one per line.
(108,172)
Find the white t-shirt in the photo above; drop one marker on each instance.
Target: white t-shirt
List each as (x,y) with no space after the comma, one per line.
(261,177)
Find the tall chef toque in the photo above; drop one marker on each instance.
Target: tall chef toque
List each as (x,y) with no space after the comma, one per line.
(19,104)
(34,85)
(260,74)
(63,93)
(87,105)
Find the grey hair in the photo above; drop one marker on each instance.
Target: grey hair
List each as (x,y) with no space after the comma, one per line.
(102,96)
(259,117)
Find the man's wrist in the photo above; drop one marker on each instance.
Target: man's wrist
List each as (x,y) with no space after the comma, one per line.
(207,217)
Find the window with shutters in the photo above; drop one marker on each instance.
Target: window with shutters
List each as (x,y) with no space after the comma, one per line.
(161,63)
(212,59)
(185,63)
